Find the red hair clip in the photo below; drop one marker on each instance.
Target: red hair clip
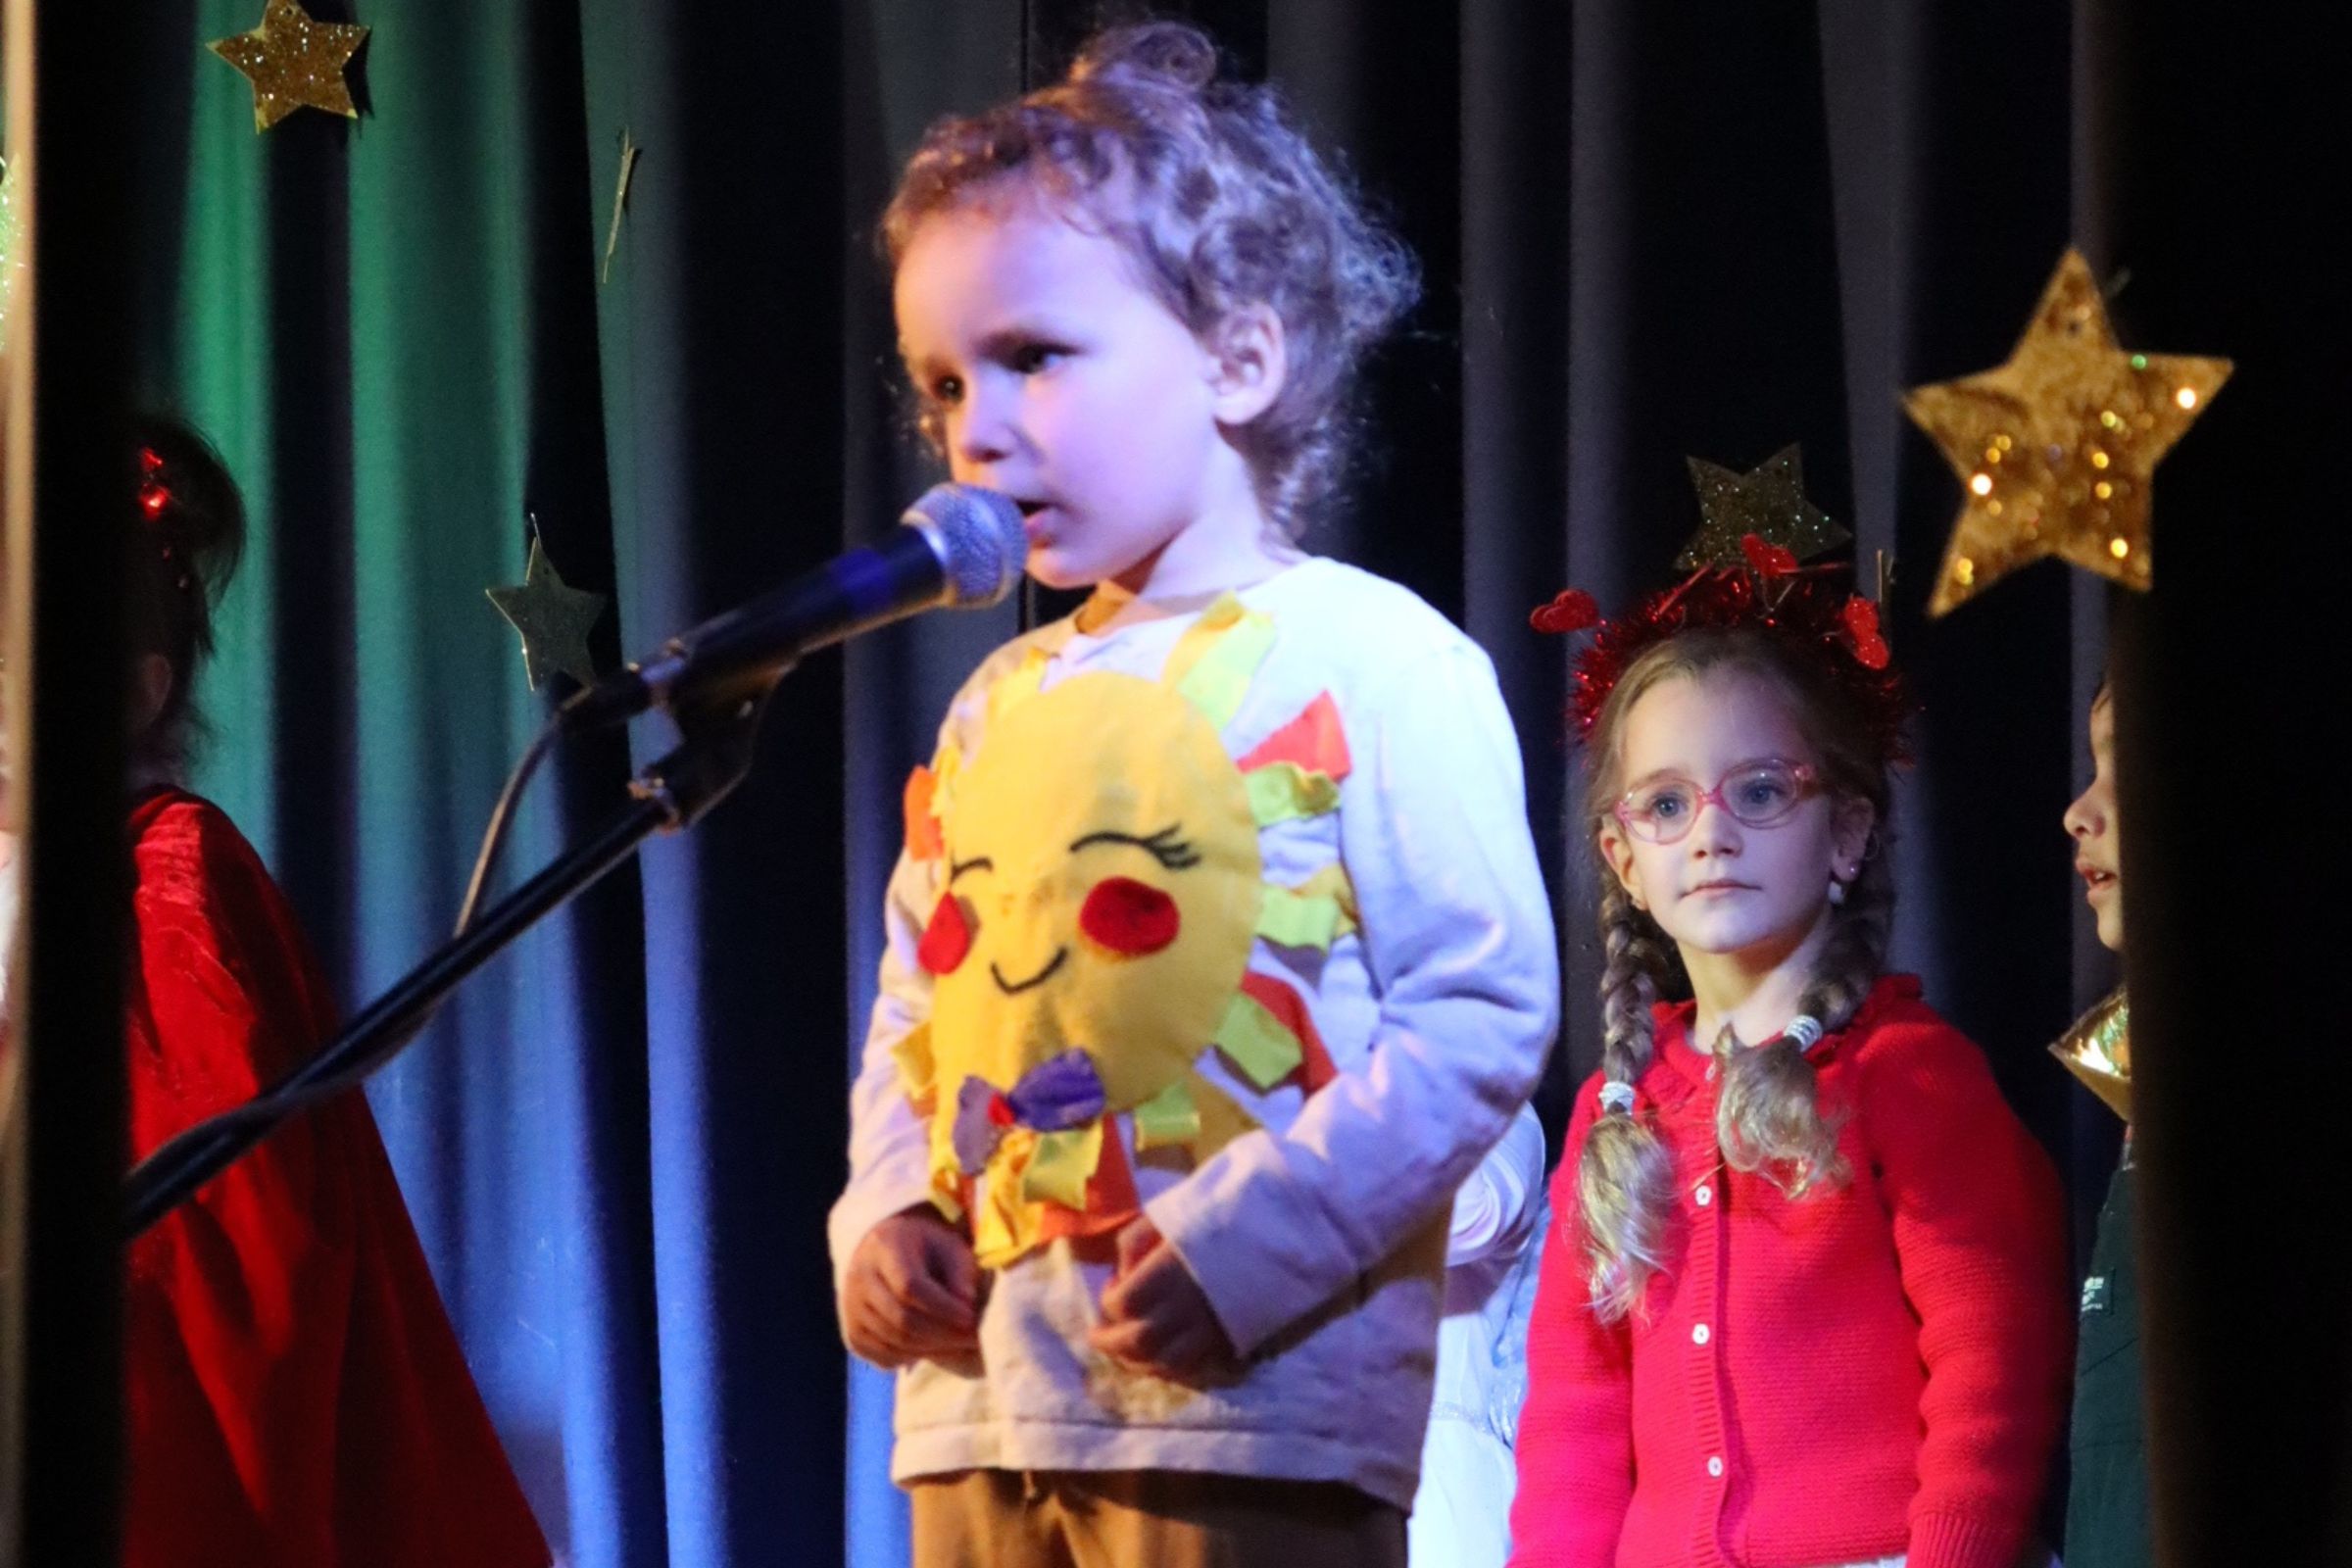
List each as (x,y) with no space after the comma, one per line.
(154,494)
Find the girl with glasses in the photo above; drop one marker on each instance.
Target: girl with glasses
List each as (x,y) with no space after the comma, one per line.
(1805,1304)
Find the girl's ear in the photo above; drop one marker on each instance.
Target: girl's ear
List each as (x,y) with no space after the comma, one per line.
(1618,851)
(1850,828)
(1248,363)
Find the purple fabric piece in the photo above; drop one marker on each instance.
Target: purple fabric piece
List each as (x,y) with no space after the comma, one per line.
(1062,1092)
(1057,1093)
(976,1135)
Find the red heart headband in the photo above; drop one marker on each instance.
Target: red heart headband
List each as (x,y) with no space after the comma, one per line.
(1770,593)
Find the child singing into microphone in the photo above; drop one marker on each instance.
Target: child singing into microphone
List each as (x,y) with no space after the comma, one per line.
(1218,955)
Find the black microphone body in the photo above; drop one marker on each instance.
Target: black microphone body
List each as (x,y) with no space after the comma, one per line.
(958,545)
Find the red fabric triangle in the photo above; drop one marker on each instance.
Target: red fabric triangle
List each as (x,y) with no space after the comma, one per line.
(1314,740)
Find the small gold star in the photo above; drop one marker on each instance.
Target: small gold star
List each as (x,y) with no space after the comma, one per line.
(295,62)
(554,619)
(2056,449)
(1768,501)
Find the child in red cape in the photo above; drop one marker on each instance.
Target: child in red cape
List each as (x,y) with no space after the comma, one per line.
(294,1391)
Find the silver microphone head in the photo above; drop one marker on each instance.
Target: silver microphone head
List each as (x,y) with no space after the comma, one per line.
(978,537)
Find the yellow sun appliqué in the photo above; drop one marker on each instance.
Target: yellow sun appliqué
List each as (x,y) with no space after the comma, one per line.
(1099,891)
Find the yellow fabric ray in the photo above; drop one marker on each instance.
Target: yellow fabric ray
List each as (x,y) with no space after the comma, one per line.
(1281,791)
(1314,914)
(1029,1168)
(1218,656)
(1258,1043)
(1200,637)
(1019,686)
(1061,1166)
(917,1074)
(996,1238)
(946,1182)
(1167,1117)
(1221,1119)
(944,765)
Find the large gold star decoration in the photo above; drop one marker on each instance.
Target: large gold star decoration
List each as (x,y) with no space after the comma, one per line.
(554,619)
(1768,501)
(294,62)
(2057,448)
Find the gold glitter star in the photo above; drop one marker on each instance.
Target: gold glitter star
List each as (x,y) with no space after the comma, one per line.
(294,62)
(2057,448)
(1768,501)
(554,619)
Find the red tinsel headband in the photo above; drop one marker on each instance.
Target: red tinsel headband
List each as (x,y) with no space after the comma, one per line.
(155,498)
(1771,594)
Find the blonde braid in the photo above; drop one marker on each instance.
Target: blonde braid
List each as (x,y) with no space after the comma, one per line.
(1768,1118)
(1625,1179)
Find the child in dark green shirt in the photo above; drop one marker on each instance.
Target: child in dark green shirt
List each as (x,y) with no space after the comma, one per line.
(2107,1515)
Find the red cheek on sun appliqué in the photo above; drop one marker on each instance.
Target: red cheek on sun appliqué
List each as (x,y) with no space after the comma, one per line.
(1128,917)
(947,938)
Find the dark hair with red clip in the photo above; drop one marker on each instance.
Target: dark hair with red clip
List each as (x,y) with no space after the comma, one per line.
(191,520)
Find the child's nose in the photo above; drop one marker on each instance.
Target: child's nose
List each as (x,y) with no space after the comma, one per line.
(982,426)
(2080,819)
(1714,830)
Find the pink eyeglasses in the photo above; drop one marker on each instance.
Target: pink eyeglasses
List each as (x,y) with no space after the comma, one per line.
(1762,794)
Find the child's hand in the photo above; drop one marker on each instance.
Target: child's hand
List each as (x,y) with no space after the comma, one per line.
(912,1291)
(1156,1318)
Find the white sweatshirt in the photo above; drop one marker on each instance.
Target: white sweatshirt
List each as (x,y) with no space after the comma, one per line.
(1319,1236)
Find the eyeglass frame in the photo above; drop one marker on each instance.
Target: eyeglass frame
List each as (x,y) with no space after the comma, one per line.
(1808,785)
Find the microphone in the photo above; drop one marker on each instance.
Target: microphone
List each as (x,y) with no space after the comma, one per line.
(959,545)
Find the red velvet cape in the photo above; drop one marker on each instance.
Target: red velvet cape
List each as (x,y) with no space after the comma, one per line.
(295,1393)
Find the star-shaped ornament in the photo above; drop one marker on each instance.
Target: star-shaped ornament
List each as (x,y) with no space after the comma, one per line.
(2057,448)
(1768,502)
(294,62)
(554,619)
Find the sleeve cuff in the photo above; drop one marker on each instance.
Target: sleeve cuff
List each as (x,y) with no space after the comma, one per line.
(1260,1270)
(1965,1541)
(867,1202)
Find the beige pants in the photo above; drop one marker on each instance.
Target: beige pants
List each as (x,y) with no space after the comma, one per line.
(1148,1519)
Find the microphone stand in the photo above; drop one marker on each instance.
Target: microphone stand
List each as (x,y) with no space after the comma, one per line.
(669,795)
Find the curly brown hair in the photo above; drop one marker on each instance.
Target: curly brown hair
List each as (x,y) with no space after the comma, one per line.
(1222,203)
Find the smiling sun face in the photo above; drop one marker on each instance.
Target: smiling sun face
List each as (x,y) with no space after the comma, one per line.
(1090,909)
(1099,892)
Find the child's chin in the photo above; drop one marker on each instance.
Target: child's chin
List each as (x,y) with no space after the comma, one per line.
(1723,938)
(1053,570)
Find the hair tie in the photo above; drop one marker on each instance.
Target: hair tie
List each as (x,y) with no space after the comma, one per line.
(1803,1032)
(1616,1094)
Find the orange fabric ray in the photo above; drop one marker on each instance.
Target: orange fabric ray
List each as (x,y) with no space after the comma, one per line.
(922,828)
